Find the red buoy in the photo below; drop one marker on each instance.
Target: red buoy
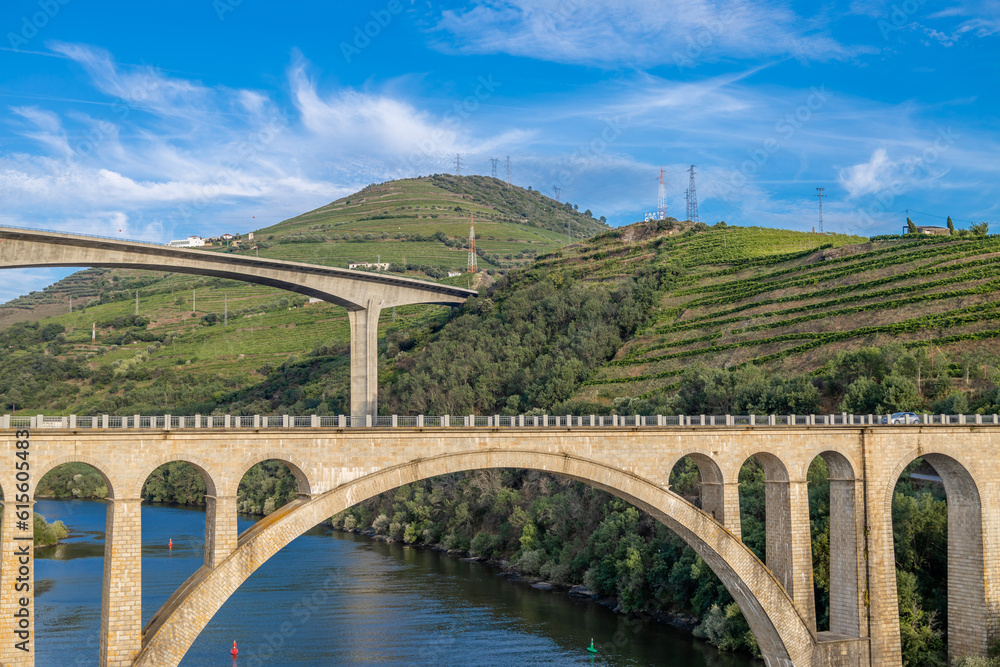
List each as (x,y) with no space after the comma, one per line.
(235,652)
(171,545)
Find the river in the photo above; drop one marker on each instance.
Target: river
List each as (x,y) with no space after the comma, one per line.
(333,598)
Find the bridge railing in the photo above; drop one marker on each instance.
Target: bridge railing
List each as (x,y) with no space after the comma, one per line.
(478,421)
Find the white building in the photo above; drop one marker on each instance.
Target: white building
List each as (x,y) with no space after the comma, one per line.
(189,242)
(383,266)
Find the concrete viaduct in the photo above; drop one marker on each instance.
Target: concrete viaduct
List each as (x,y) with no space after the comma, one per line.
(337,467)
(363,294)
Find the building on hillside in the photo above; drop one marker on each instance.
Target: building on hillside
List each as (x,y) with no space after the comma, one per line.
(226,237)
(189,242)
(378,266)
(934,230)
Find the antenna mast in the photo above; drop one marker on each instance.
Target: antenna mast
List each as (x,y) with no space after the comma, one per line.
(661,198)
(820,195)
(692,197)
(473,264)
(508,170)
(458,164)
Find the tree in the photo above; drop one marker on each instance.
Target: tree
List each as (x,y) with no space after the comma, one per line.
(951,226)
(910,227)
(980,228)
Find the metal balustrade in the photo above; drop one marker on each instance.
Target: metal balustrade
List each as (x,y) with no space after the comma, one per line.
(124,422)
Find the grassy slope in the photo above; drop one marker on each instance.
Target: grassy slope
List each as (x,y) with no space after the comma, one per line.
(509,221)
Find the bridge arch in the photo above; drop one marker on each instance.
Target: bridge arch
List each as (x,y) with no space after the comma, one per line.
(846,535)
(787,547)
(295,467)
(115,485)
(782,634)
(203,468)
(968,634)
(712,489)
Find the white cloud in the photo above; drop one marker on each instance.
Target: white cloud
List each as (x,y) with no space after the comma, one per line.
(638,32)
(881,174)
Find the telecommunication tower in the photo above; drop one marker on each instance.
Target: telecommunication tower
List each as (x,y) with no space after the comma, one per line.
(508,170)
(473,264)
(458,164)
(494,160)
(692,197)
(820,195)
(661,198)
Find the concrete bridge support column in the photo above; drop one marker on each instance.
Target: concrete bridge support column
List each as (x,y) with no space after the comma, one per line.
(788,544)
(883,608)
(847,567)
(364,358)
(220,528)
(731,504)
(991,561)
(14,540)
(121,604)
(722,502)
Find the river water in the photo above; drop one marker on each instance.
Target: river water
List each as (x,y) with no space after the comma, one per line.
(333,598)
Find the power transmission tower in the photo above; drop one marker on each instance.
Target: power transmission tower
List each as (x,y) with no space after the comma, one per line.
(137,302)
(692,197)
(473,264)
(508,170)
(494,160)
(820,195)
(557,191)
(661,198)
(458,164)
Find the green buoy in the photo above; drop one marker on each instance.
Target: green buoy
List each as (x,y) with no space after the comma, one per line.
(591,647)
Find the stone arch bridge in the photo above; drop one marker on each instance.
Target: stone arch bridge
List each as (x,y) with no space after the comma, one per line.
(337,467)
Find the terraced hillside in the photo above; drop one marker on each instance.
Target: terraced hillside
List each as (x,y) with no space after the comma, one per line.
(790,301)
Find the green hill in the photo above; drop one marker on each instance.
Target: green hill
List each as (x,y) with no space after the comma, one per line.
(424,222)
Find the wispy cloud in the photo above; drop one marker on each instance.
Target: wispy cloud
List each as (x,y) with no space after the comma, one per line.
(638,33)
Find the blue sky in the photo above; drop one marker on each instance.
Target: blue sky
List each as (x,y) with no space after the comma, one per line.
(153,121)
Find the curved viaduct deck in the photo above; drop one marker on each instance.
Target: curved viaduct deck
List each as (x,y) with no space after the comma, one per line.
(363,294)
(337,468)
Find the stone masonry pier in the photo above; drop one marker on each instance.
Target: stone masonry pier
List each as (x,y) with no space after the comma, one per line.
(337,467)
